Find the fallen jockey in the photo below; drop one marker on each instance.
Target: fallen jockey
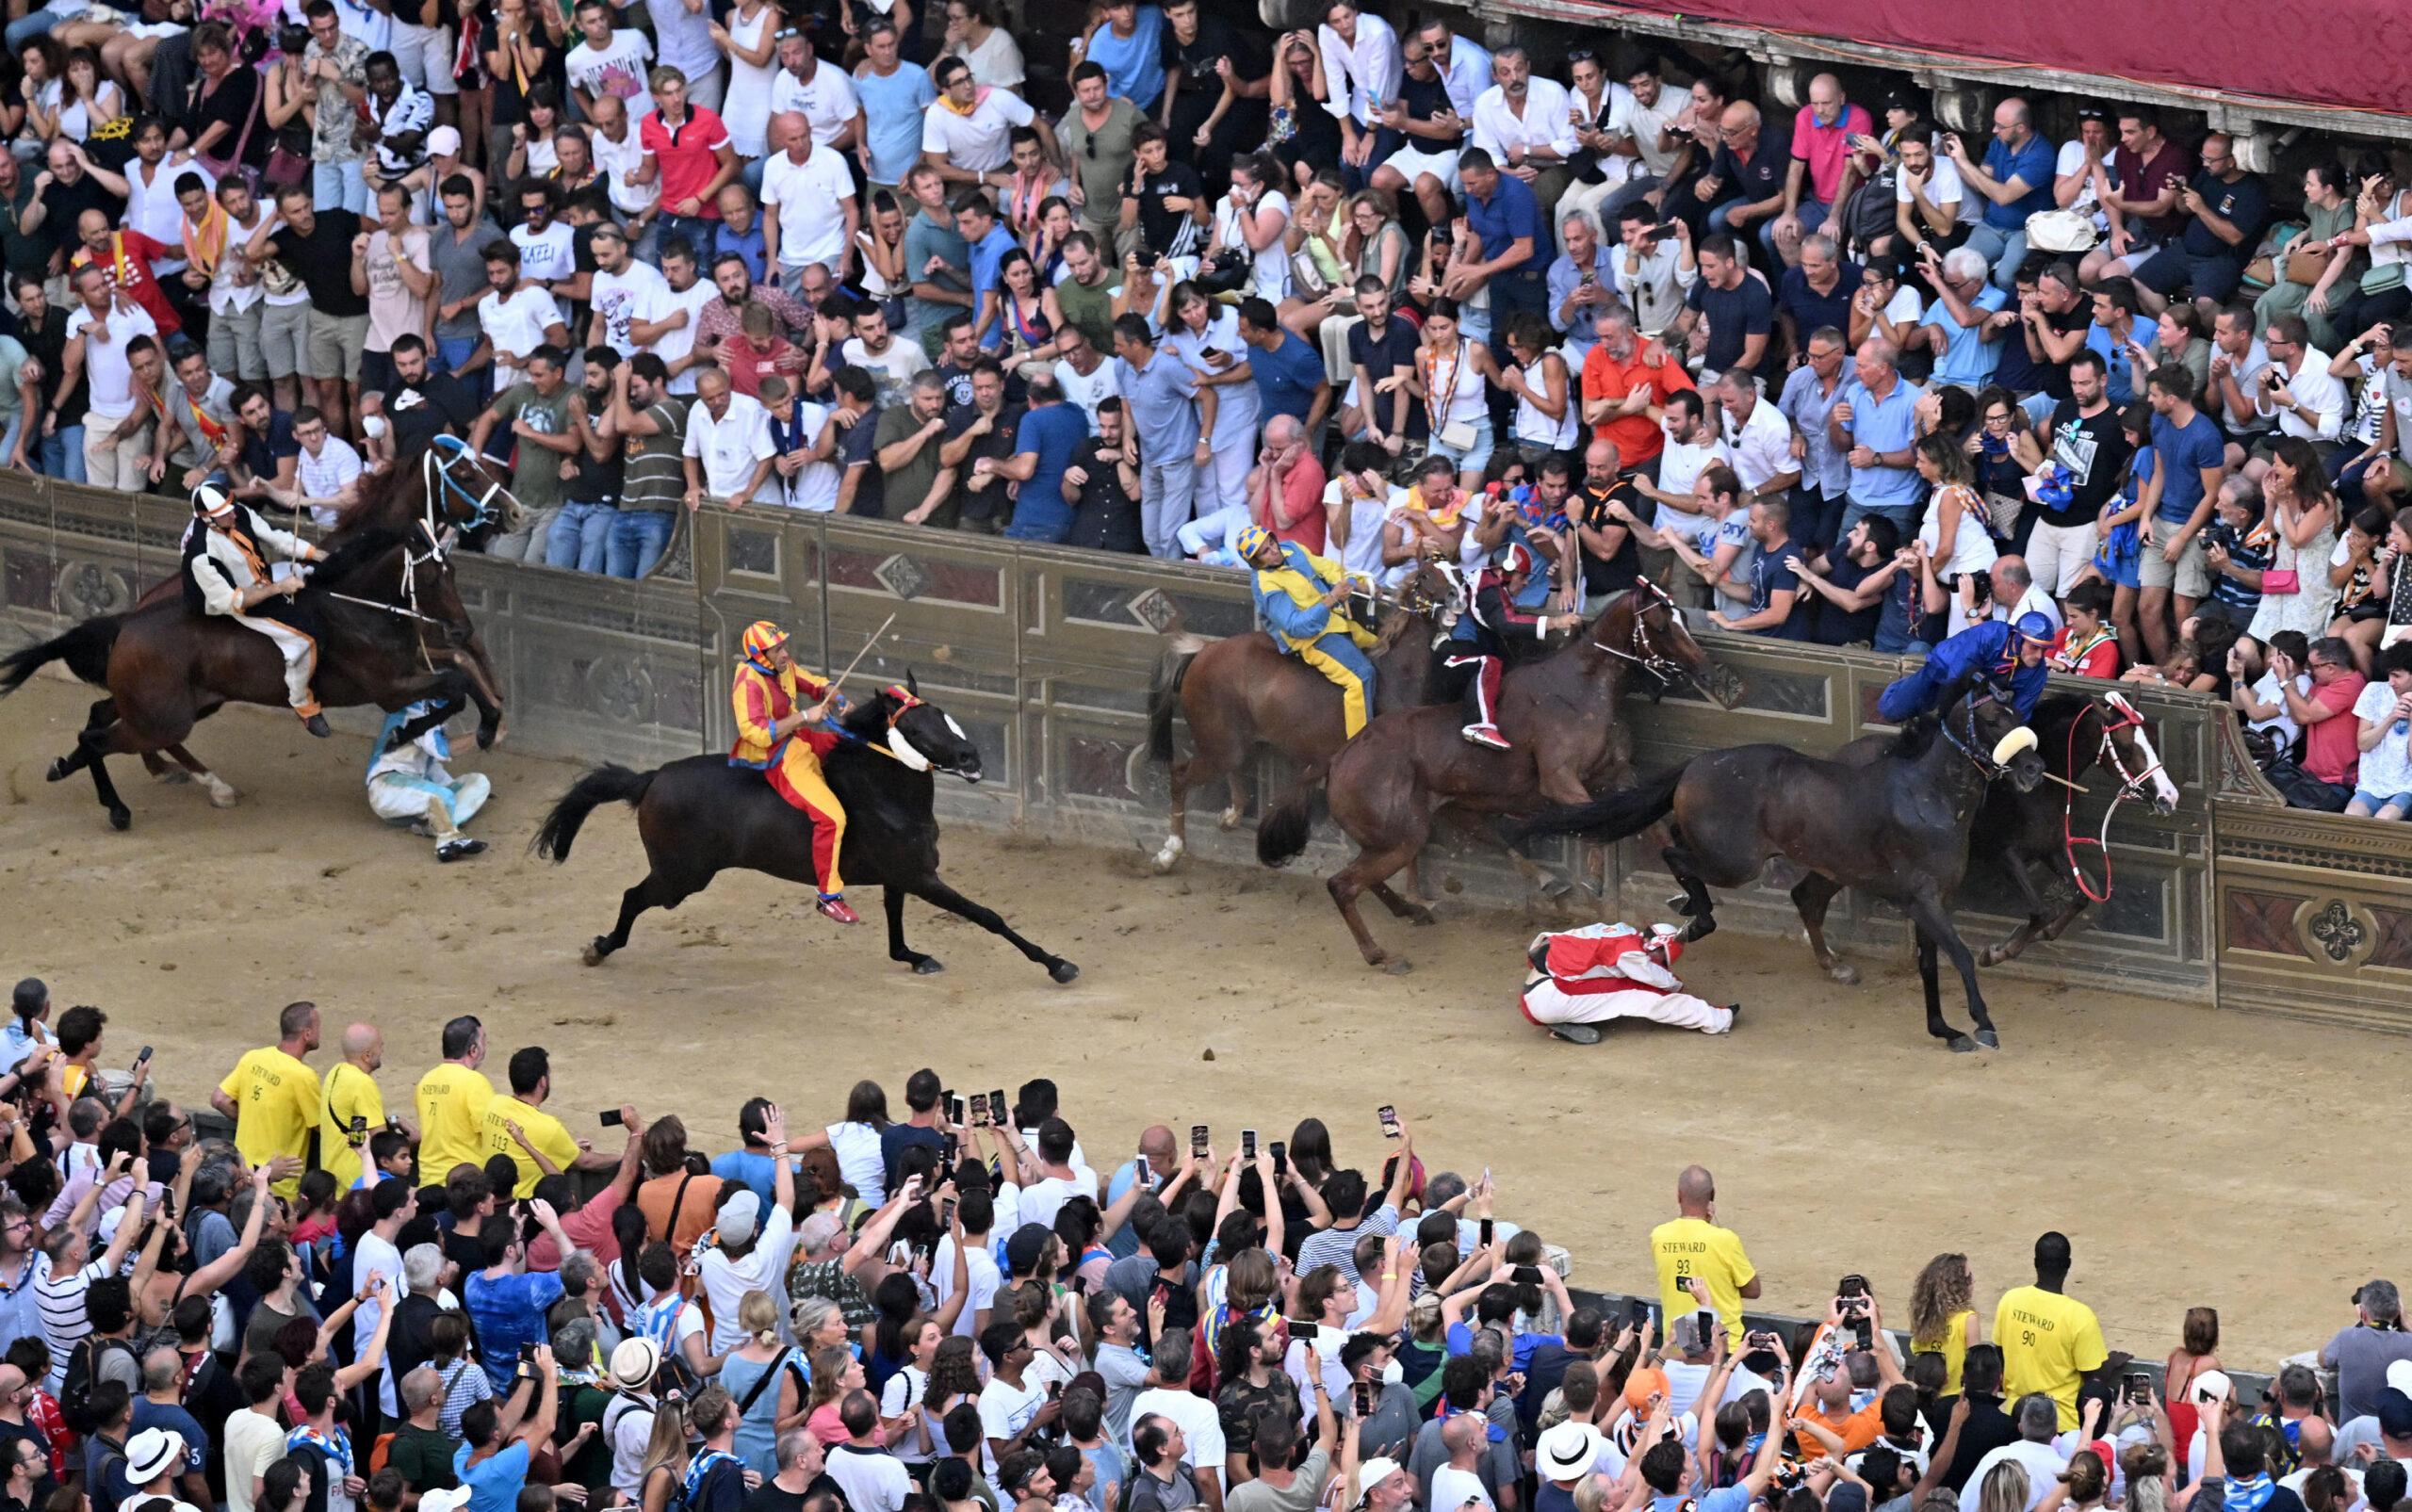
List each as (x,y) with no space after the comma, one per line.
(1303,599)
(1582,978)
(782,736)
(2003,651)
(1508,624)
(408,785)
(227,575)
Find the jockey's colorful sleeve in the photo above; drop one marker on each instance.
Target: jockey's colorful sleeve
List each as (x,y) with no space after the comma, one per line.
(750,701)
(1287,617)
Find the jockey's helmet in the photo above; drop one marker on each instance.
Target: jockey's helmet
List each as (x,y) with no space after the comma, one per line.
(1251,541)
(1516,559)
(1665,945)
(762,638)
(210,499)
(2033,625)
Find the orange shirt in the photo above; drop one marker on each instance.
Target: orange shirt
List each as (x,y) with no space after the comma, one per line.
(1637,437)
(695,1214)
(1857,1430)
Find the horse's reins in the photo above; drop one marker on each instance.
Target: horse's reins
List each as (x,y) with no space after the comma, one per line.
(1666,669)
(2130,784)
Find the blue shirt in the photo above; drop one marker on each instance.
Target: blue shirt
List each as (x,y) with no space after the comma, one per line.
(1162,398)
(1970,353)
(925,239)
(984,260)
(1563,277)
(2120,384)
(892,110)
(1287,377)
(2182,453)
(508,1313)
(1055,433)
(1882,425)
(494,1483)
(1510,213)
(1134,67)
(748,246)
(2033,163)
(748,1168)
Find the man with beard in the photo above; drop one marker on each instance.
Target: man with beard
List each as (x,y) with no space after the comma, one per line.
(622,290)
(217,226)
(581,533)
(423,402)
(724,319)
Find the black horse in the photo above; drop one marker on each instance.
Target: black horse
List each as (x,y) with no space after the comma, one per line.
(700,816)
(1898,828)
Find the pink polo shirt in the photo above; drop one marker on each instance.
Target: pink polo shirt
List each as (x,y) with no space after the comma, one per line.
(1825,148)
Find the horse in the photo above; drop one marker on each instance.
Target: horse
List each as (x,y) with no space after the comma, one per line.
(2021,830)
(1560,714)
(1896,827)
(1242,689)
(396,633)
(700,816)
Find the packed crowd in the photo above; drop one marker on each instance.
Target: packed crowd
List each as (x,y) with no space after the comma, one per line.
(461,1303)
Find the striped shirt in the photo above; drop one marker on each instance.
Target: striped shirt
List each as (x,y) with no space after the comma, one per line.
(64,1324)
(1338,1247)
(656,478)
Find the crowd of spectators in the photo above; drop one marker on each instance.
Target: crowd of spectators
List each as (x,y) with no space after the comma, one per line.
(462,1304)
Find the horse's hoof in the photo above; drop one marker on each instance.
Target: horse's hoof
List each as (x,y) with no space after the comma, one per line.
(1961,1044)
(1990,957)
(1228,818)
(596,951)
(488,735)
(57,772)
(1989,1039)
(1168,856)
(121,818)
(1062,971)
(1844,972)
(927,966)
(1702,927)
(223,796)
(1422,918)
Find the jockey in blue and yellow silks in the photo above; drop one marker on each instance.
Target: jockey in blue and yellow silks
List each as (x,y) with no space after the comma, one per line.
(2009,654)
(768,699)
(1303,599)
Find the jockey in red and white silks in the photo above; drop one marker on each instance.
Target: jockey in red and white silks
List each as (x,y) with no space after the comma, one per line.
(1603,971)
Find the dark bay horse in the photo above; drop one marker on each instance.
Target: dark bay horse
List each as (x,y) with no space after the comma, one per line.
(1560,714)
(699,817)
(2022,830)
(1896,827)
(396,634)
(1242,689)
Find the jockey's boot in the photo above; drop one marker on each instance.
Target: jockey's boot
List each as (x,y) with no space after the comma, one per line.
(460,848)
(832,905)
(1577,1033)
(1487,735)
(317,724)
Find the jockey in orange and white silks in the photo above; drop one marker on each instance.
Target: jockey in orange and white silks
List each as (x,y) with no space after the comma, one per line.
(782,731)
(1587,976)
(226,574)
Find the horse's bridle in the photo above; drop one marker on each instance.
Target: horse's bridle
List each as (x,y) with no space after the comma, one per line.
(1645,654)
(1982,759)
(2131,785)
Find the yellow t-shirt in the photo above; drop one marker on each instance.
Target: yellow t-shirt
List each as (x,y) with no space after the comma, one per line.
(1686,1247)
(276,1106)
(1952,1346)
(543,1129)
(352,1092)
(451,1120)
(2047,1342)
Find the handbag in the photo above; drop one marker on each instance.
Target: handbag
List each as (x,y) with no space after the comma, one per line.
(232,164)
(2280,582)
(2001,516)
(2305,268)
(2059,231)
(1458,435)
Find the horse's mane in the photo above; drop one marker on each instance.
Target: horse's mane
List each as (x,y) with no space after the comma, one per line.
(382,501)
(353,552)
(1917,736)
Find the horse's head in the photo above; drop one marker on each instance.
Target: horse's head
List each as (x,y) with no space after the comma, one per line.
(2127,750)
(924,735)
(1644,627)
(1436,591)
(1980,720)
(443,492)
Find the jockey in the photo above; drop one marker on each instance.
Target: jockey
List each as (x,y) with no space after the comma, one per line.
(1506,623)
(1304,599)
(2005,651)
(1582,978)
(227,573)
(409,783)
(768,699)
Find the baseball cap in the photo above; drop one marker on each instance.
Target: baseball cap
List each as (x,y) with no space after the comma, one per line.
(1372,1474)
(451,1501)
(2398,1374)
(1847,1496)
(2394,1413)
(441,143)
(2214,1386)
(1642,1384)
(737,1216)
(1028,1246)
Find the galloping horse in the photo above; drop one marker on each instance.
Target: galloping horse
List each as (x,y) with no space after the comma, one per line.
(2024,829)
(699,816)
(397,633)
(1242,689)
(1896,827)
(1388,786)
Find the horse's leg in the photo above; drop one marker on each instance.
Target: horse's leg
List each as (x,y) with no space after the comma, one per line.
(95,745)
(655,891)
(1371,868)
(1811,895)
(221,792)
(1696,904)
(2026,933)
(1176,821)
(1935,1023)
(1936,922)
(479,690)
(930,889)
(2068,915)
(1237,809)
(924,966)
(1399,905)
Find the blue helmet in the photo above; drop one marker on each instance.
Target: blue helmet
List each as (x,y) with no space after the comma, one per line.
(2033,625)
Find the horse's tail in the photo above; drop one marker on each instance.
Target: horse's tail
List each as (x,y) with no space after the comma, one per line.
(1283,833)
(84,647)
(1610,817)
(605,784)
(1164,697)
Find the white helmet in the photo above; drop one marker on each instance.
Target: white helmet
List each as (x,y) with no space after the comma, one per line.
(210,499)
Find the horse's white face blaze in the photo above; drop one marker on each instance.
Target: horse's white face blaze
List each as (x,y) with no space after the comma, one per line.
(957,729)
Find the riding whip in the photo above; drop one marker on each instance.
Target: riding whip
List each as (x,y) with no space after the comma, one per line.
(841,681)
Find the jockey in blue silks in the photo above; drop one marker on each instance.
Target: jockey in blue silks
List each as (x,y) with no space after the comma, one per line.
(1998,650)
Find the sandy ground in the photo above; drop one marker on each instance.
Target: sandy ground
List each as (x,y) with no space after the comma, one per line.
(2156,1135)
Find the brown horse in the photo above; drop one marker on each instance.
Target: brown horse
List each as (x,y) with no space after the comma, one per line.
(395,634)
(1242,689)
(1560,714)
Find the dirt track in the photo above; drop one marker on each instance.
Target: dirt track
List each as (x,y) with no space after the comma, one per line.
(2155,1135)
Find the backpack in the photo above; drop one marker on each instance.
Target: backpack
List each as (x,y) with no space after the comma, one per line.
(83,1374)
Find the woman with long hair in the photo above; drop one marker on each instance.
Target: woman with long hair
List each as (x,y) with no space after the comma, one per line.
(2303,515)
(285,1487)
(835,1373)
(1547,417)
(41,85)
(1301,134)
(2004,1488)
(1959,546)
(1206,336)
(664,1476)
(1031,313)
(2360,586)
(1943,1315)
(1311,1152)
(1452,376)
(2198,1350)
(912,1437)
(2082,1485)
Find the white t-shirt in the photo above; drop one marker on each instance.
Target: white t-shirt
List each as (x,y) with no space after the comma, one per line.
(901,1396)
(726,1281)
(873,1480)
(548,256)
(620,298)
(857,1146)
(811,197)
(828,104)
(1042,1199)
(977,142)
(1201,1425)
(151,208)
(2073,158)
(1944,184)
(1272,279)
(618,69)
(2281,727)
(981,1278)
(515,325)
(729,447)
(106,366)
(323,476)
(675,343)
(1453,1489)
(1005,1411)
(815,486)
(1680,464)
(619,162)
(1087,393)
(376,1256)
(2387,767)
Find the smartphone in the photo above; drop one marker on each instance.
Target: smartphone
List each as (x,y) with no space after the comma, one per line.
(359,1124)
(1055,1391)
(1198,1140)
(954,1109)
(1248,1143)
(1304,1330)
(1867,1331)
(946,1214)
(1705,1321)
(1640,1312)
(1281,1153)
(143,1058)
(951,1150)
(1365,1392)
(979,1109)
(1389,1115)
(1851,1286)
(999,1108)
(1078,1285)
(611,1118)
(1663,229)
(2138,1388)
(1486,1232)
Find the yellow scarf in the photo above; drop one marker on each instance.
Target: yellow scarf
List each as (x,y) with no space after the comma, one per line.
(206,242)
(978,97)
